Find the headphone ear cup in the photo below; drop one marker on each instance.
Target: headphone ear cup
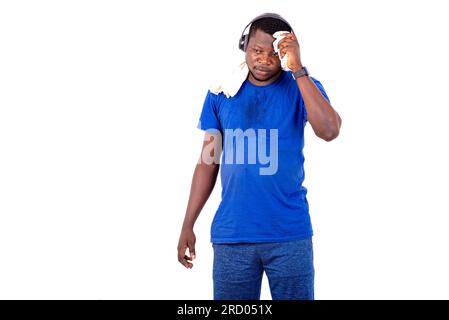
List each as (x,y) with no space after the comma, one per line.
(243,42)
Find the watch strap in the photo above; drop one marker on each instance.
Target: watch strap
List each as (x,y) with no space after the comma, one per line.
(300,73)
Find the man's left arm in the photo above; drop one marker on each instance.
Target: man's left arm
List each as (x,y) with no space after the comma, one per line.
(325,121)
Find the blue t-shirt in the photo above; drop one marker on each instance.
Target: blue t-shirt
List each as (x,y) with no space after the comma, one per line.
(262,164)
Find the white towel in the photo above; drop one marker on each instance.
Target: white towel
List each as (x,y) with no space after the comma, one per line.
(278,36)
(231,84)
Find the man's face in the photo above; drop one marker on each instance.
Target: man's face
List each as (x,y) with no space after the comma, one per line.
(263,63)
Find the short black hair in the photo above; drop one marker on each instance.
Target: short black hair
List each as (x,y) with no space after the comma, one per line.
(268,25)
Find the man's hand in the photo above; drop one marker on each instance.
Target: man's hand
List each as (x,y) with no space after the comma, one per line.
(186,240)
(290,45)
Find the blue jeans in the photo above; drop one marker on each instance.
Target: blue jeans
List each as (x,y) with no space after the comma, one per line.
(238,270)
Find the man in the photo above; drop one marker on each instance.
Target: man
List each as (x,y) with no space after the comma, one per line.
(263,222)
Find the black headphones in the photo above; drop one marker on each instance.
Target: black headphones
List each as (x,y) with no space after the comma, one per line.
(243,42)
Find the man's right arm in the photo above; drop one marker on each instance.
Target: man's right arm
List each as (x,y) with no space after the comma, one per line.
(203,182)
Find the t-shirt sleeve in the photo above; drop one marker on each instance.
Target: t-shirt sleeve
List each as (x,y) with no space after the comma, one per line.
(323,92)
(209,115)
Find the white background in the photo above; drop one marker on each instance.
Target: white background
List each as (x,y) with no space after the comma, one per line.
(99,102)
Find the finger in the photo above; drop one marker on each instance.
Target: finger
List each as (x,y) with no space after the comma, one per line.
(192,250)
(188,264)
(282,45)
(185,263)
(182,254)
(283,53)
(285,42)
(291,46)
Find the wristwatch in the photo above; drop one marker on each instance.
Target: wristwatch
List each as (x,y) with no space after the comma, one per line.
(300,73)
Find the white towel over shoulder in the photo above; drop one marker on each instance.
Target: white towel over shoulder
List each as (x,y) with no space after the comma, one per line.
(231,84)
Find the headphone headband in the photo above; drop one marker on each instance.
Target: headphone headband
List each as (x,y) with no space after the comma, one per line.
(244,37)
